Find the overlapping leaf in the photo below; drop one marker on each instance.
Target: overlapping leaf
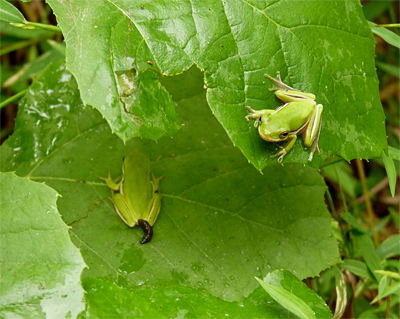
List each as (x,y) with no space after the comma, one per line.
(294,295)
(323,47)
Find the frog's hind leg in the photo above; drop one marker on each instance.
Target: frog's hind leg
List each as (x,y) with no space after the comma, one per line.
(311,135)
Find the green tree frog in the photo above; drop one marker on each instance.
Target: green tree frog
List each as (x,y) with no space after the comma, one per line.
(299,115)
(138,200)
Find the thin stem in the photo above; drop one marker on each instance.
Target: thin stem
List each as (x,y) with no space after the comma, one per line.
(22,44)
(12,99)
(17,45)
(341,190)
(337,160)
(375,190)
(27,11)
(330,202)
(391,25)
(370,212)
(389,299)
(43,26)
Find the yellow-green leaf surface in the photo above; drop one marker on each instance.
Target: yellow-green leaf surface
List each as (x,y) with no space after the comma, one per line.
(294,295)
(10,13)
(221,221)
(387,35)
(390,171)
(40,267)
(322,47)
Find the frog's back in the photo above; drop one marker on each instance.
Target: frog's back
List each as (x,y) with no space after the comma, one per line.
(138,179)
(291,116)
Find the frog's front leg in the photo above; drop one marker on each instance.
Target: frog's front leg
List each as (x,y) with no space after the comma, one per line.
(113,184)
(253,114)
(257,115)
(286,148)
(312,132)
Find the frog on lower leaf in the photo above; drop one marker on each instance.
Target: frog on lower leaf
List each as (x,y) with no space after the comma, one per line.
(138,200)
(299,115)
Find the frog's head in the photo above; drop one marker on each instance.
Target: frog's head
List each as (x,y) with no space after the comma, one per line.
(272,131)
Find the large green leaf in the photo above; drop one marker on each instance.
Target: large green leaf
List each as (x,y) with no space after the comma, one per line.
(40,267)
(172,301)
(323,47)
(131,99)
(221,222)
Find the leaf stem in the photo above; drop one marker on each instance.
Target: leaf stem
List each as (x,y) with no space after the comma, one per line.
(368,203)
(21,44)
(12,98)
(43,26)
(330,202)
(389,299)
(27,25)
(334,161)
(391,25)
(341,190)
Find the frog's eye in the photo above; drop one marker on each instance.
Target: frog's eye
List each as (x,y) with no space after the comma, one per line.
(284,135)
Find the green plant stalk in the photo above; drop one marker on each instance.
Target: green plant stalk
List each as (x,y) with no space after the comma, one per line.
(331,162)
(333,212)
(392,25)
(43,26)
(16,46)
(389,299)
(35,25)
(360,288)
(341,190)
(388,273)
(21,44)
(393,15)
(12,99)
(27,11)
(330,201)
(370,211)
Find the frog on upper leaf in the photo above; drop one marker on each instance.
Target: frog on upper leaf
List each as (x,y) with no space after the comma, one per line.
(299,115)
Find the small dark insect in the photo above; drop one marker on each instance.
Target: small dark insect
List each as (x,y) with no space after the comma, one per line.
(148,231)
(149,62)
(142,7)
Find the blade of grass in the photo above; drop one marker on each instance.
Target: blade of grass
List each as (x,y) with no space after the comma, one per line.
(288,300)
(391,172)
(394,153)
(387,35)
